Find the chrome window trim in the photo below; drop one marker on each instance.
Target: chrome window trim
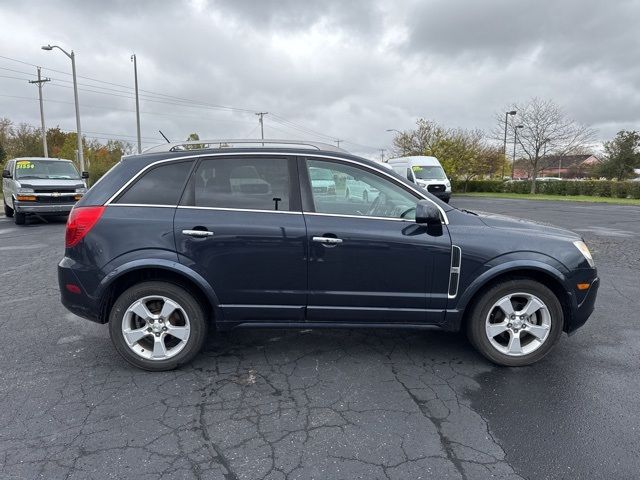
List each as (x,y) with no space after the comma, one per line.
(344,215)
(285,154)
(230,209)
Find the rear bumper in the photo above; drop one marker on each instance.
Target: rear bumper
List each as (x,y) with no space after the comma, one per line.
(81,303)
(44,209)
(584,309)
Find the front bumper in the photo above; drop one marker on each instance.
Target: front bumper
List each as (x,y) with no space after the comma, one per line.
(584,309)
(44,208)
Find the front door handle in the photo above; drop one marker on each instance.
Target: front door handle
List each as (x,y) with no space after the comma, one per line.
(198,233)
(327,240)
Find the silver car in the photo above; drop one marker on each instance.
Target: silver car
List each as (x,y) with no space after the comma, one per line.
(40,186)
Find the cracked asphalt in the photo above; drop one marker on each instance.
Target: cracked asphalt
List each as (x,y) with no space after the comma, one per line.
(332,404)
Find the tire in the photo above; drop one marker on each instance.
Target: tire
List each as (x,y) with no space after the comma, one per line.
(187,319)
(536,337)
(19,218)
(8,211)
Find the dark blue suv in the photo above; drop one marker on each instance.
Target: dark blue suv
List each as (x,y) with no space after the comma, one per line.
(191,236)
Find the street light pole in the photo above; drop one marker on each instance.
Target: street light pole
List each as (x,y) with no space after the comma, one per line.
(504,146)
(72,56)
(39,82)
(515,142)
(135,76)
(399,133)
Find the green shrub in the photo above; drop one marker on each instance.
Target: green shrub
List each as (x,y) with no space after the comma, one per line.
(592,188)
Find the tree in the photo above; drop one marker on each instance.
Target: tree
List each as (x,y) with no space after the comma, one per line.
(192,138)
(463,153)
(622,155)
(25,141)
(55,140)
(546,131)
(3,155)
(421,141)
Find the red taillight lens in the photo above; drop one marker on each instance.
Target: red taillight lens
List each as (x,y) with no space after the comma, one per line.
(81,221)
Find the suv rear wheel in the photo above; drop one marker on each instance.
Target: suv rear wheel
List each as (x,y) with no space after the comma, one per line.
(157,326)
(516,323)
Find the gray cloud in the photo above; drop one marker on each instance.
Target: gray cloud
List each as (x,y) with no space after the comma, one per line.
(347,69)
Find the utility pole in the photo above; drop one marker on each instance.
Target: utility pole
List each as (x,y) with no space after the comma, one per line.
(338,142)
(261,120)
(39,82)
(135,76)
(382,150)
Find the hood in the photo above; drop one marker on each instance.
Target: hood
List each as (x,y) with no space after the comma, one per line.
(51,182)
(525,226)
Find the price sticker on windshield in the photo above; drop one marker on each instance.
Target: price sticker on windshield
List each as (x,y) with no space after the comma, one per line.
(24,165)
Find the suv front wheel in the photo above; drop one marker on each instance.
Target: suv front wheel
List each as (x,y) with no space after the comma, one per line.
(516,323)
(157,326)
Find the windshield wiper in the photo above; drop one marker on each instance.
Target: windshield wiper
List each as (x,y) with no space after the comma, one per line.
(468,211)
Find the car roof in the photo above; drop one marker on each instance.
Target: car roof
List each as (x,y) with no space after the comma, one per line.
(148,158)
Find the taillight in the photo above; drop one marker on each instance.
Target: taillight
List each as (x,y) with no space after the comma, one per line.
(81,221)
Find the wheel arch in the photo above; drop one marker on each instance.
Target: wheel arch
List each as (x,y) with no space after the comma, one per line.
(135,272)
(543,273)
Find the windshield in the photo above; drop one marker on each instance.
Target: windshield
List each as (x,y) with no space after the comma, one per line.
(320,174)
(53,169)
(429,173)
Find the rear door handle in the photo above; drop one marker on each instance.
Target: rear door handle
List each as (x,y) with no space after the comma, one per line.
(198,233)
(327,240)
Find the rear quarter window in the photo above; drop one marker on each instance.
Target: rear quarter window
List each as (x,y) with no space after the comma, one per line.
(161,185)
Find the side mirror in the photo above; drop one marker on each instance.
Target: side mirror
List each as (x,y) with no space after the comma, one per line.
(85,174)
(6,174)
(427,213)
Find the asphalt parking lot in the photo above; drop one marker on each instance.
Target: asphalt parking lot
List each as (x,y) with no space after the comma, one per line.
(321,404)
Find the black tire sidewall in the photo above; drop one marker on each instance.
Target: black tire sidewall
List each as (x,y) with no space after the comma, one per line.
(8,211)
(194,310)
(476,323)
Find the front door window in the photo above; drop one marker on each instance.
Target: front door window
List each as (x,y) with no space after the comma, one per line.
(343,189)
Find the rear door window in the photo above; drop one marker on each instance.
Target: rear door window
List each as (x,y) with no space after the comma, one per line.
(161,185)
(252,183)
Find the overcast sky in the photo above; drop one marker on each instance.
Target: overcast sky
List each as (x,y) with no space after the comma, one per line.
(344,69)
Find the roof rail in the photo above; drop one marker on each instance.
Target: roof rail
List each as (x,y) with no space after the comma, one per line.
(235,143)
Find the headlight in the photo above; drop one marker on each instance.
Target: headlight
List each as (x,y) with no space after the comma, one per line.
(25,190)
(448,184)
(81,190)
(580,245)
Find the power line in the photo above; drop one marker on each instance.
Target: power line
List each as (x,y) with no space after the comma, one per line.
(190,102)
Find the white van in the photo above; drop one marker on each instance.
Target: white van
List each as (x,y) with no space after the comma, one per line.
(425,172)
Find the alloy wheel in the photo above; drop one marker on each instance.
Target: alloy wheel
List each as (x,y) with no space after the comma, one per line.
(518,324)
(156,327)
